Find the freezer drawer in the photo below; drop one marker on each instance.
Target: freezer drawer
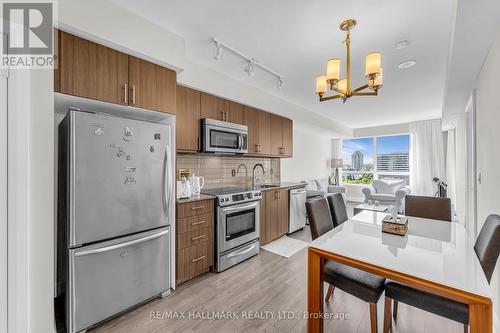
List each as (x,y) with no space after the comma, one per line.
(109,277)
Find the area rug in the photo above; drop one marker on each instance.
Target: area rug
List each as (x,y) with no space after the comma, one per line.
(285,246)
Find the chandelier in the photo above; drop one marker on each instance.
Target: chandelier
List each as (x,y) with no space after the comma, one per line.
(342,88)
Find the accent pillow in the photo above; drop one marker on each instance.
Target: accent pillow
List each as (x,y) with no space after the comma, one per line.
(388,186)
(322,184)
(311,185)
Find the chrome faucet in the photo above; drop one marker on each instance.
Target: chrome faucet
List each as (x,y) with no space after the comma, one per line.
(254,179)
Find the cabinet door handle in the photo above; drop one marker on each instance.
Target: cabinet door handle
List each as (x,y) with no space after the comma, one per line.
(197,259)
(196,238)
(133,94)
(198,207)
(200,222)
(125,93)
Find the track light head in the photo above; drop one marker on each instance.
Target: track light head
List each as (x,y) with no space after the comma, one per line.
(218,51)
(250,69)
(279,82)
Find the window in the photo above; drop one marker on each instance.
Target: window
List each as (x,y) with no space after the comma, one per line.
(384,157)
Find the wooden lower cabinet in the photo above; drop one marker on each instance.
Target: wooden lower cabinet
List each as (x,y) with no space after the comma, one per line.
(274,221)
(194,239)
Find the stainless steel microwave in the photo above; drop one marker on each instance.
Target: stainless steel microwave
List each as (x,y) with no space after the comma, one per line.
(223,137)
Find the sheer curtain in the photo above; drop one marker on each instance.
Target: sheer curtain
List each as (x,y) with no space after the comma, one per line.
(451,166)
(426,156)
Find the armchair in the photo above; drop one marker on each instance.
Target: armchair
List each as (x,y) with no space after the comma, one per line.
(319,188)
(387,192)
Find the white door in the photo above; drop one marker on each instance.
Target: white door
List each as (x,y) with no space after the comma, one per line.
(470,195)
(487,111)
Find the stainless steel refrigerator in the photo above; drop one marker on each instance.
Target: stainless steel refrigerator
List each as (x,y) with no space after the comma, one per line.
(115,208)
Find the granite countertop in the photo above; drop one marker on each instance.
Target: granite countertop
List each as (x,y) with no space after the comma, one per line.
(193,199)
(283,185)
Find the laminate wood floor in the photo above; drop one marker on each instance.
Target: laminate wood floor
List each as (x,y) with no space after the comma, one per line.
(266,282)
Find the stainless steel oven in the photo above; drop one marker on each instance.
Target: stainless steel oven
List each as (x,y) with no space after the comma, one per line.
(237,225)
(237,220)
(223,137)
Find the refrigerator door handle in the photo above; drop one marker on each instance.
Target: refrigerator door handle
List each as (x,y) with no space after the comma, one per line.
(118,246)
(167,184)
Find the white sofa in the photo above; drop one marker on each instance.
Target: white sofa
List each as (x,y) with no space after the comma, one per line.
(387,192)
(320,188)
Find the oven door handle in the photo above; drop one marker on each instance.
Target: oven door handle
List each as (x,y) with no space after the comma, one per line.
(235,208)
(235,254)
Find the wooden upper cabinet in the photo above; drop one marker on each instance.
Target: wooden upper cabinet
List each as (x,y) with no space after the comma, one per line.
(287,137)
(276,135)
(142,81)
(91,70)
(212,107)
(234,112)
(218,108)
(250,119)
(188,119)
(281,136)
(112,75)
(76,73)
(258,123)
(151,86)
(166,90)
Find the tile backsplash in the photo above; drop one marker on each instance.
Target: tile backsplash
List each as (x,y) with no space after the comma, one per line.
(218,170)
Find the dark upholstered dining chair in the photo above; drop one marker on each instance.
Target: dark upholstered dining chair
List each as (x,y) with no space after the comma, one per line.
(487,249)
(428,207)
(337,208)
(363,285)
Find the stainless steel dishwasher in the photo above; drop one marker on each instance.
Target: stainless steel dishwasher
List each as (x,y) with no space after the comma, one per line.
(297,208)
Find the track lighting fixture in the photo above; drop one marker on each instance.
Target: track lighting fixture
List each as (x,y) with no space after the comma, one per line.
(252,63)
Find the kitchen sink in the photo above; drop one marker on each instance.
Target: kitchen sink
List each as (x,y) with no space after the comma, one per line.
(268,186)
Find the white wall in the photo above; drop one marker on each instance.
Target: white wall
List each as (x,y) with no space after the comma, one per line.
(381,130)
(30,206)
(311,154)
(488,139)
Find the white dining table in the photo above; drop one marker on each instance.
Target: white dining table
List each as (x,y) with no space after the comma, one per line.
(434,256)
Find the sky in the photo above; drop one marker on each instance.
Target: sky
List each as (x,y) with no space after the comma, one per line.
(386,144)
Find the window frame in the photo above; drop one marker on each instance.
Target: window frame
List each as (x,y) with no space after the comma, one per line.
(375,171)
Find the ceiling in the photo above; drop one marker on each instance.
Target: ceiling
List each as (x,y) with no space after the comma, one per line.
(295,38)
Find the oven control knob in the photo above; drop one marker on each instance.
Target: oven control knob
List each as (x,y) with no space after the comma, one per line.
(227,199)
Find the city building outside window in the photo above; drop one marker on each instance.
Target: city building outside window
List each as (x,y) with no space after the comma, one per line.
(382,157)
